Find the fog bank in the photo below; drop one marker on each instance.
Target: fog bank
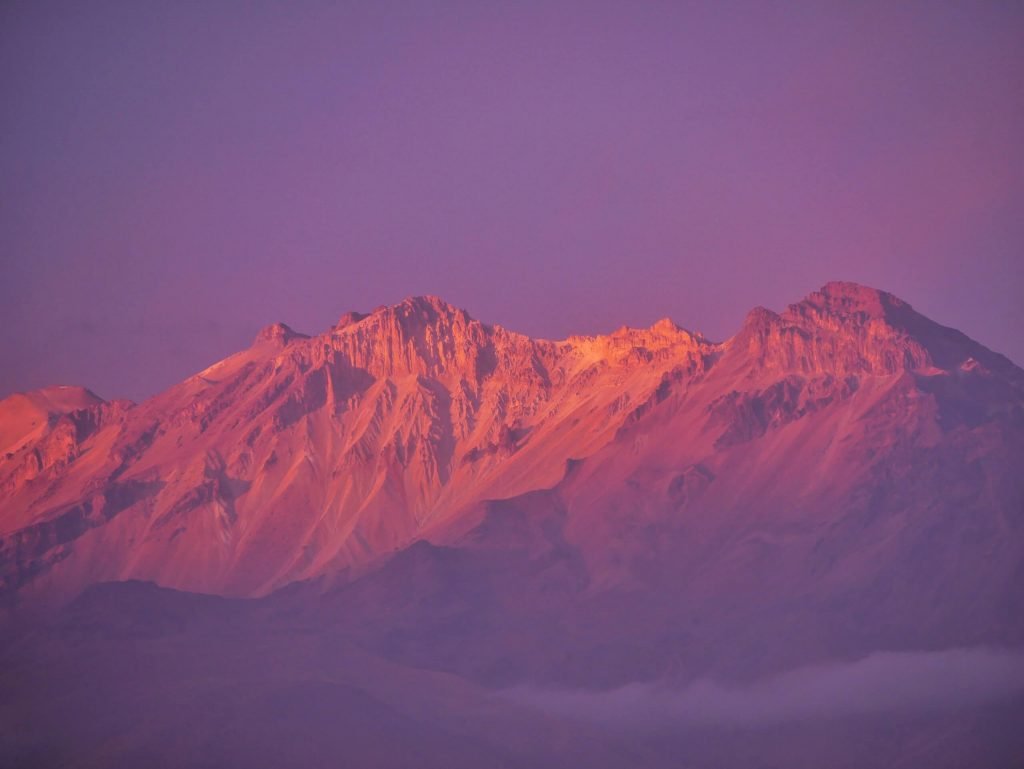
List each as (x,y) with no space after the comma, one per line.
(904,683)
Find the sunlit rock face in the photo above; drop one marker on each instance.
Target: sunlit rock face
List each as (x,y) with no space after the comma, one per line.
(802,547)
(302,457)
(820,441)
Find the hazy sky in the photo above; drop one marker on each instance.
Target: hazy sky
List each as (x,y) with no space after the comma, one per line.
(173,176)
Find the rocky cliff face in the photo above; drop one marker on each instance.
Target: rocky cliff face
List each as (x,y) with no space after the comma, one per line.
(304,456)
(319,457)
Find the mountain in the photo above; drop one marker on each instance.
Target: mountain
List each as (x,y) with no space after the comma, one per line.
(306,457)
(302,457)
(421,516)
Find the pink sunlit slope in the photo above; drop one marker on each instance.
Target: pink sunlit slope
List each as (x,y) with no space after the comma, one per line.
(800,546)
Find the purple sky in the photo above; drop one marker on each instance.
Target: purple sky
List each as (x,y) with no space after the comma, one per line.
(173,176)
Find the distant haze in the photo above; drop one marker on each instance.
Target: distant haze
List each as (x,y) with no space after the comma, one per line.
(903,683)
(175,176)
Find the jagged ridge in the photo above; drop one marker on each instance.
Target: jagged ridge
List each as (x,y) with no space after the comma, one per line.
(311,456)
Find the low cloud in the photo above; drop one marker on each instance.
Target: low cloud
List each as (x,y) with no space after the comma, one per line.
(884,682)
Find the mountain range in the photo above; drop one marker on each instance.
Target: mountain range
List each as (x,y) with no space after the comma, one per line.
(452,533)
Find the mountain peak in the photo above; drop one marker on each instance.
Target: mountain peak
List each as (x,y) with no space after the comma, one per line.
(759,317)
(666,326)
(849,288)
(349,318)
(421,334)
(431,301)
(421,303)
(279,334)
(848,328)
(65,397)
(843,298)
(843,328)
(414,313)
